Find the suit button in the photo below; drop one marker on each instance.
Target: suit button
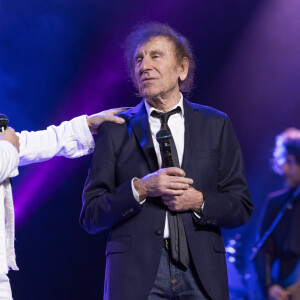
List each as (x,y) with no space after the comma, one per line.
(128,211)
(158,232)
(211,222)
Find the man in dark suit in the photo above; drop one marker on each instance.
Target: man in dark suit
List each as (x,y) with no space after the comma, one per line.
(165,224)
(282,247)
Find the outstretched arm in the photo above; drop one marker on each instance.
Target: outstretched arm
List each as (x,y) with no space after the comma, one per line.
(70,139)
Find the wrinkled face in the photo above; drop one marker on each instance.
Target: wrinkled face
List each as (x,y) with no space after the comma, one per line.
(156,69)
(291,171)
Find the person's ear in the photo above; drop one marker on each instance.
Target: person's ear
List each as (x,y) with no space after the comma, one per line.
(183,68)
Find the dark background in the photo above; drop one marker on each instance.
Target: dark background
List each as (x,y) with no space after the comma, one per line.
(61,59)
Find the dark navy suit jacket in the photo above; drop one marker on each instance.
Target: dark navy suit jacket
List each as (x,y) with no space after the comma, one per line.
(212,158)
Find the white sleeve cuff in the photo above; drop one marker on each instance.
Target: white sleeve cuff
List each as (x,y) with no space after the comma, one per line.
(83,133)
(197,214)
(135,193)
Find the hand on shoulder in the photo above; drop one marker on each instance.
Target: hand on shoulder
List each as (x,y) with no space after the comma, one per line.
(94,121)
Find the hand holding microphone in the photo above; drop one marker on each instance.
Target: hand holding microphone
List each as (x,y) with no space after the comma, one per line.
(190,199)
(3,122)
(8,133)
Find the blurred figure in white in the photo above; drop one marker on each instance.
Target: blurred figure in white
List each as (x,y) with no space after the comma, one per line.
(70,139)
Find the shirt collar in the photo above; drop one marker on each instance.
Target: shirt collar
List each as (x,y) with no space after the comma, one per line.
(150,108)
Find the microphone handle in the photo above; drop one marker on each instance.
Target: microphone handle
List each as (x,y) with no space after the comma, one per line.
(166,154)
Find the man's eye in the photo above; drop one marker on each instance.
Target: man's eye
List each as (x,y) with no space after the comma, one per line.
(138,61)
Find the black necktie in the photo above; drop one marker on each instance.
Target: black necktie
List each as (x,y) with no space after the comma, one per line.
(179,245)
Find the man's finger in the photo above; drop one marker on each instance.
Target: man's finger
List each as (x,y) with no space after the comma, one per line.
(173,193)
(115,111)
(166,202)
(284,295)
(174,171)
(113,119)
(9,130)
(167,197)
(178,186)
(172,206)
(181,180)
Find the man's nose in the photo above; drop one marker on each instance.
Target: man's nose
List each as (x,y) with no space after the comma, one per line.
(285,168)
(145,65)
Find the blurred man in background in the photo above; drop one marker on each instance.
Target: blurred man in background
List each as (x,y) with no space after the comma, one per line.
(278,261)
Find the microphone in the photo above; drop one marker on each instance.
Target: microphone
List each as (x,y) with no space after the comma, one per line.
(163,139)
(3,122)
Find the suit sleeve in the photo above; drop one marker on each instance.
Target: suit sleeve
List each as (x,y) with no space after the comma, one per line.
(230,205)
(106,202)
(9,160)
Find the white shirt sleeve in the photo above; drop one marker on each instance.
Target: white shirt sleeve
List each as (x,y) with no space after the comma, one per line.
(70,139)
(9,160)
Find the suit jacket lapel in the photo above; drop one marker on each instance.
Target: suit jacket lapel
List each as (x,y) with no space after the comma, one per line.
(191,133)
(140,126)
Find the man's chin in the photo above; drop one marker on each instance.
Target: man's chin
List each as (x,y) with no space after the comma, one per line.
(291,183)
(149,94)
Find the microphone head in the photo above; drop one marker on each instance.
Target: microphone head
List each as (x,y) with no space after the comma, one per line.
(3,121)
(162,136)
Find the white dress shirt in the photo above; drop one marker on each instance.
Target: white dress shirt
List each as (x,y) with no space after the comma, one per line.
(71,139)
(176,125)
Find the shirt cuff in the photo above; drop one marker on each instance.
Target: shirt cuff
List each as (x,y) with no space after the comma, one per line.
(199,214)
(135,193)
(83,133)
